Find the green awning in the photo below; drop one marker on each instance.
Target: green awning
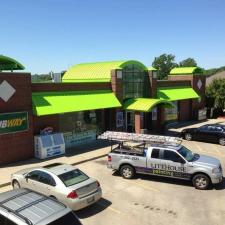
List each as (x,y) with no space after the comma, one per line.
(47,103)
(176,93)
(186,70)
(144,104)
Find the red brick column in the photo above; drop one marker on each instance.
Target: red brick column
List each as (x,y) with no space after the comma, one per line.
(139,122)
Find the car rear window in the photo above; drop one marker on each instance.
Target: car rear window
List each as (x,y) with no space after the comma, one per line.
(73,177)
(68,219)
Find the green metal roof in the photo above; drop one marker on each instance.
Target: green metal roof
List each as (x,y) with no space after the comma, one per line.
(47,103)
(176,93)
(185,70)
(96,72)
(144,104)
(7,63)
(152,68)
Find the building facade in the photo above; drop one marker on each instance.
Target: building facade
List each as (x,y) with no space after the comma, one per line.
(92,98)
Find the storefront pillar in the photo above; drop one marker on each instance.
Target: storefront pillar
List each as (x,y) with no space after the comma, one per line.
(160,118)
(139,122)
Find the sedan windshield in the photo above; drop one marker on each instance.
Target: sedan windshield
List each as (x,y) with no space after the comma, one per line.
(186,153)
(73,177)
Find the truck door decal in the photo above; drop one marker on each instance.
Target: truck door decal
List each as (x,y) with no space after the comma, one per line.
(165,170)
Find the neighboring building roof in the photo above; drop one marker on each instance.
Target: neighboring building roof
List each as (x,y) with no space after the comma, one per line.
(176,93)
(95,72)
(185,70)
(47,103)
(151,68)
(7,63)
(144,104)
(220,75)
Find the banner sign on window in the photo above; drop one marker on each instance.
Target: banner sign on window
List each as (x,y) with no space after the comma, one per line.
(13,122)
(119,119)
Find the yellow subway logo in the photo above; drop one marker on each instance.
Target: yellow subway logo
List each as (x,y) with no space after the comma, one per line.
(12,122)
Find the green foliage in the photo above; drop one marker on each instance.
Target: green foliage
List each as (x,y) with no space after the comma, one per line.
(42,78)
(213,71)
(216,91)
(189,62)
(164,63)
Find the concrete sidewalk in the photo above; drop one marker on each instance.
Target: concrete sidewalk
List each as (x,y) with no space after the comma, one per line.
(75,156)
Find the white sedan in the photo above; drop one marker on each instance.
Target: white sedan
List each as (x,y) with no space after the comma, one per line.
(63,182)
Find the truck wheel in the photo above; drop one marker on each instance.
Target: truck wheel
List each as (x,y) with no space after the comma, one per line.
(15,184)
(222,141)
(127,171)
(201,181)
(188,137)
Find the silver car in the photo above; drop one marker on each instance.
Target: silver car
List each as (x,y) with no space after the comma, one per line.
(23,206)
(63,182)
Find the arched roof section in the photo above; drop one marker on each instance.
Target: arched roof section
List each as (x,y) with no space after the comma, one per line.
(145,104)
(7,63)
(186,70)
(96,72)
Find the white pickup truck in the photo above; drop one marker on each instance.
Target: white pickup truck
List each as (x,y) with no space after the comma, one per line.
(164,160)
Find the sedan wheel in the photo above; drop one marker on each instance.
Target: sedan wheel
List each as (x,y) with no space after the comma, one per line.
(188,137)
(16,184)
(201,181)
(127,171)
(222,141)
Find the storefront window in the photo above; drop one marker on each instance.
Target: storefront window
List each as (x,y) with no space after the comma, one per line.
(171,113)
(135,82)
(80,127)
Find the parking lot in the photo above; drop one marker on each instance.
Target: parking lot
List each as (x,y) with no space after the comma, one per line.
(153,200)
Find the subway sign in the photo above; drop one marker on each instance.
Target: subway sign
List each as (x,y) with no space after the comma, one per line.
(13,122)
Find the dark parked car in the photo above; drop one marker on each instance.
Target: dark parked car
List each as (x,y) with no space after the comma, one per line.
(209,133)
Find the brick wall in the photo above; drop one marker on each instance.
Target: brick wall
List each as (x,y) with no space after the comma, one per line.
(17,146)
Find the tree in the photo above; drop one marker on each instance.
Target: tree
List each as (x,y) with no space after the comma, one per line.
(164,63)
(188,62)
(216,91)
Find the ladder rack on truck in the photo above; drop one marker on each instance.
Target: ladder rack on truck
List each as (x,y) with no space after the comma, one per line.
(146,138)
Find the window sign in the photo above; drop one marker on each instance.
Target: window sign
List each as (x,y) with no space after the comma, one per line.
(119,119)
(13,122)
(154,113)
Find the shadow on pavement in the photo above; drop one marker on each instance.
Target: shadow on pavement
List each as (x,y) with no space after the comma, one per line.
(94,209)
(172,181)
(78,150)
(220,186)
(180,124)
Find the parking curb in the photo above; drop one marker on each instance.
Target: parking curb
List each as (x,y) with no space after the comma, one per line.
(73,164)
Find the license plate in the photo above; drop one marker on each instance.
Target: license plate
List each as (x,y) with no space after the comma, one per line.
(90,200)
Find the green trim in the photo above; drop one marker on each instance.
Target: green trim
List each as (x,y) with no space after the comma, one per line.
(186,70)
(7,63)
(151,68)
(144,104)
(48,103)
(96,72)
(177,93)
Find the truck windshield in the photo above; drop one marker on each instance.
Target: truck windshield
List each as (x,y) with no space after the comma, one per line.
(186,153)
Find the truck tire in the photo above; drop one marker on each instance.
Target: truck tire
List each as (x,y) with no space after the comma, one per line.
(15,184)
(201,181)
(222,141)
(127,171)
(188,136)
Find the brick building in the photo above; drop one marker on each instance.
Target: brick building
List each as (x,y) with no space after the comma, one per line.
(93,97)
